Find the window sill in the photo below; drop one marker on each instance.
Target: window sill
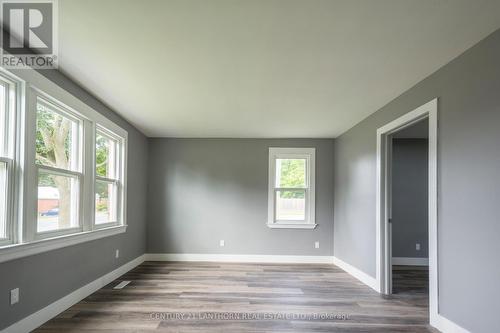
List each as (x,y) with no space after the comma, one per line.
(15,251)
(292,225)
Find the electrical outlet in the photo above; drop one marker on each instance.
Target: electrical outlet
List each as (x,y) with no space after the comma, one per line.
(117,254)
(14,296)
(222,243)
(316,244)
(417,246)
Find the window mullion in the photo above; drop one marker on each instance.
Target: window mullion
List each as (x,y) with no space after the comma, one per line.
(88,185)
(30,173)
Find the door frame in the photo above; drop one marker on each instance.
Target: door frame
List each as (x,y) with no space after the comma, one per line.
(383,240)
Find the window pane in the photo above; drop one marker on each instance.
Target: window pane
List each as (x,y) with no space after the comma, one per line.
(105,151)
(105,202)
(290,205)
(3,120)
(291,173)
(3,200)
(57,202)
(56,138)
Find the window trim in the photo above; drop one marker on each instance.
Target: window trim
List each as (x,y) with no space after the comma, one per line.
(309,154)
(13,155)
(9,204)
(20,250)
(20,244)
(75,171)
(118,174)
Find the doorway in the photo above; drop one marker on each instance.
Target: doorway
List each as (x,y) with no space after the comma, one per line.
(426,114)
(408,199)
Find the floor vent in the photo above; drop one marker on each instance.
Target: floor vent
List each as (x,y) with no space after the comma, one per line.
(121,285)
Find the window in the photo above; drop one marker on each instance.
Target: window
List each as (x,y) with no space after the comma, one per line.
(73,160)
(107,183)
(3,199)
(8,105)
(291,188)
(58,156)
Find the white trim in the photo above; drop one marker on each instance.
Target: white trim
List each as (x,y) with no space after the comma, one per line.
(407,261)
(383,257)
(15,251)
(120,173)
(309,154)
(14,146)
(40,317)
(256,258)
(370,281)
(88,121)
(292,226)
(445,325)
(438,321)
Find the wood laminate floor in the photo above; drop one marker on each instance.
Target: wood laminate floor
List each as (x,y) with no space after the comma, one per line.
(228,297)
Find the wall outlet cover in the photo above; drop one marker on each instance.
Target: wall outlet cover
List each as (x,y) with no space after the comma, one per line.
(14,296)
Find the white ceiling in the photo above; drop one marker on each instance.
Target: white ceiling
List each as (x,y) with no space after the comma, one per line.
(260,68)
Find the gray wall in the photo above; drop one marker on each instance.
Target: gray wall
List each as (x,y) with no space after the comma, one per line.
(410,165)
(469,184)
(46,277)
(204,190)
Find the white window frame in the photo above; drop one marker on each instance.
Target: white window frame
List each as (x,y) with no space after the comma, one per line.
(117,179)
(76,171)
(309,154)
(11,158)
(24,239)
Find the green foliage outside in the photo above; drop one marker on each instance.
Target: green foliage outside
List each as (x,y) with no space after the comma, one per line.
(101,155)
(102,207)
(52,142)
(53,148)
(292,176)
(101,158)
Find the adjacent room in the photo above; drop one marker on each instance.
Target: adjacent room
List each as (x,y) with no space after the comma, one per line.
(199,166)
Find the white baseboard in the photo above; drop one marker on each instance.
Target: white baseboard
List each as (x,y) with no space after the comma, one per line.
(358,274)
(406,261)
(240,258)
(438,321)
(445,325)
(38,318)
